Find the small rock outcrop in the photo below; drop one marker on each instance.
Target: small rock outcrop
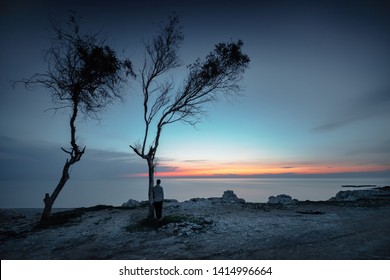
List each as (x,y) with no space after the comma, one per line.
(360,194)
(131,203)
(282,199)
(230,197)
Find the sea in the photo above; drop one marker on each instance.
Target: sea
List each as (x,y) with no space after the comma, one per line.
(86,193)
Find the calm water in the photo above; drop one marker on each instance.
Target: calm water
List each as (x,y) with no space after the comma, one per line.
(89,193)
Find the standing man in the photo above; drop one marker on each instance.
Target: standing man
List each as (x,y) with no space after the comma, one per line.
(158,198)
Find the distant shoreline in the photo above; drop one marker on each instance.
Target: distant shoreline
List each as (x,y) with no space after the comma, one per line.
(359,186)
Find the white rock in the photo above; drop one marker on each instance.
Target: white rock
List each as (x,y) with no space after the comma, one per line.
(281,199)
(131,203)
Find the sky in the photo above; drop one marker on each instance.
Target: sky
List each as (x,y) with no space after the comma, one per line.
(314,102)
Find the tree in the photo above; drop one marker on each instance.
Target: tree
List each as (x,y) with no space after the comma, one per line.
(83,75)
(218,74)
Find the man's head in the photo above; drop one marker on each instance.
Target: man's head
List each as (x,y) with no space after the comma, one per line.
(158,181)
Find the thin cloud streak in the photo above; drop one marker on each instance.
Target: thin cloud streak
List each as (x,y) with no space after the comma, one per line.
(259,169)
(369,106)
(32,161)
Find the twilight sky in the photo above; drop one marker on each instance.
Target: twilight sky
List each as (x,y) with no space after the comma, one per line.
(316,98)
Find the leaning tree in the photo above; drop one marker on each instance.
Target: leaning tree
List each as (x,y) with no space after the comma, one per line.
(84,75)
(165,103)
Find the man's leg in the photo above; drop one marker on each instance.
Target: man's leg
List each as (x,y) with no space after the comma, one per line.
(158,210)
(161,205)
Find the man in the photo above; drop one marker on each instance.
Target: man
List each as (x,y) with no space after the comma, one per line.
(158,198)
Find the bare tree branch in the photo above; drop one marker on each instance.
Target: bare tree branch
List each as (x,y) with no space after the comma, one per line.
(218,74)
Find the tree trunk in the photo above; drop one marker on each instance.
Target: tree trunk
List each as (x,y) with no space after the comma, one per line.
(49,200)
(150,190)
(47,210)
(75,156)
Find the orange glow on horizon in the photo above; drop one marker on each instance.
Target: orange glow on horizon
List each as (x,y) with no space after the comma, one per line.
(221,170)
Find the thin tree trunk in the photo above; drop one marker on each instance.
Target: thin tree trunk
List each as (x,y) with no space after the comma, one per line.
(49,200)
(75,156)
(151,185)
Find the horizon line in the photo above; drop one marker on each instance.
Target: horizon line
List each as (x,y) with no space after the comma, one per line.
(366,174)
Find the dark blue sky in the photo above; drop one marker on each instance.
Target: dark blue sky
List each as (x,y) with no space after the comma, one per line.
(316,98)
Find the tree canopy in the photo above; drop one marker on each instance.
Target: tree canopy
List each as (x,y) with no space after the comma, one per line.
(81,70)
(84,75)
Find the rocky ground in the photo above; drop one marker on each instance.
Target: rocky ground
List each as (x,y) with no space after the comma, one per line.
(216,228)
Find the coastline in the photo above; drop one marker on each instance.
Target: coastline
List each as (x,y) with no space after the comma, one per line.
(250,189)
(209,229)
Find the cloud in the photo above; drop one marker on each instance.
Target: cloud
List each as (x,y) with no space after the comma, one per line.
(370,105)
(371,153)
(21,160)
(166,168)
(99,164)
(196,160)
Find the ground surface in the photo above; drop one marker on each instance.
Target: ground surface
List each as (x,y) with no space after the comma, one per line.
(207,230)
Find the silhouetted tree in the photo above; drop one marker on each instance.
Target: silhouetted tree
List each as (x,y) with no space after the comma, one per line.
(83,75)
(164,103)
